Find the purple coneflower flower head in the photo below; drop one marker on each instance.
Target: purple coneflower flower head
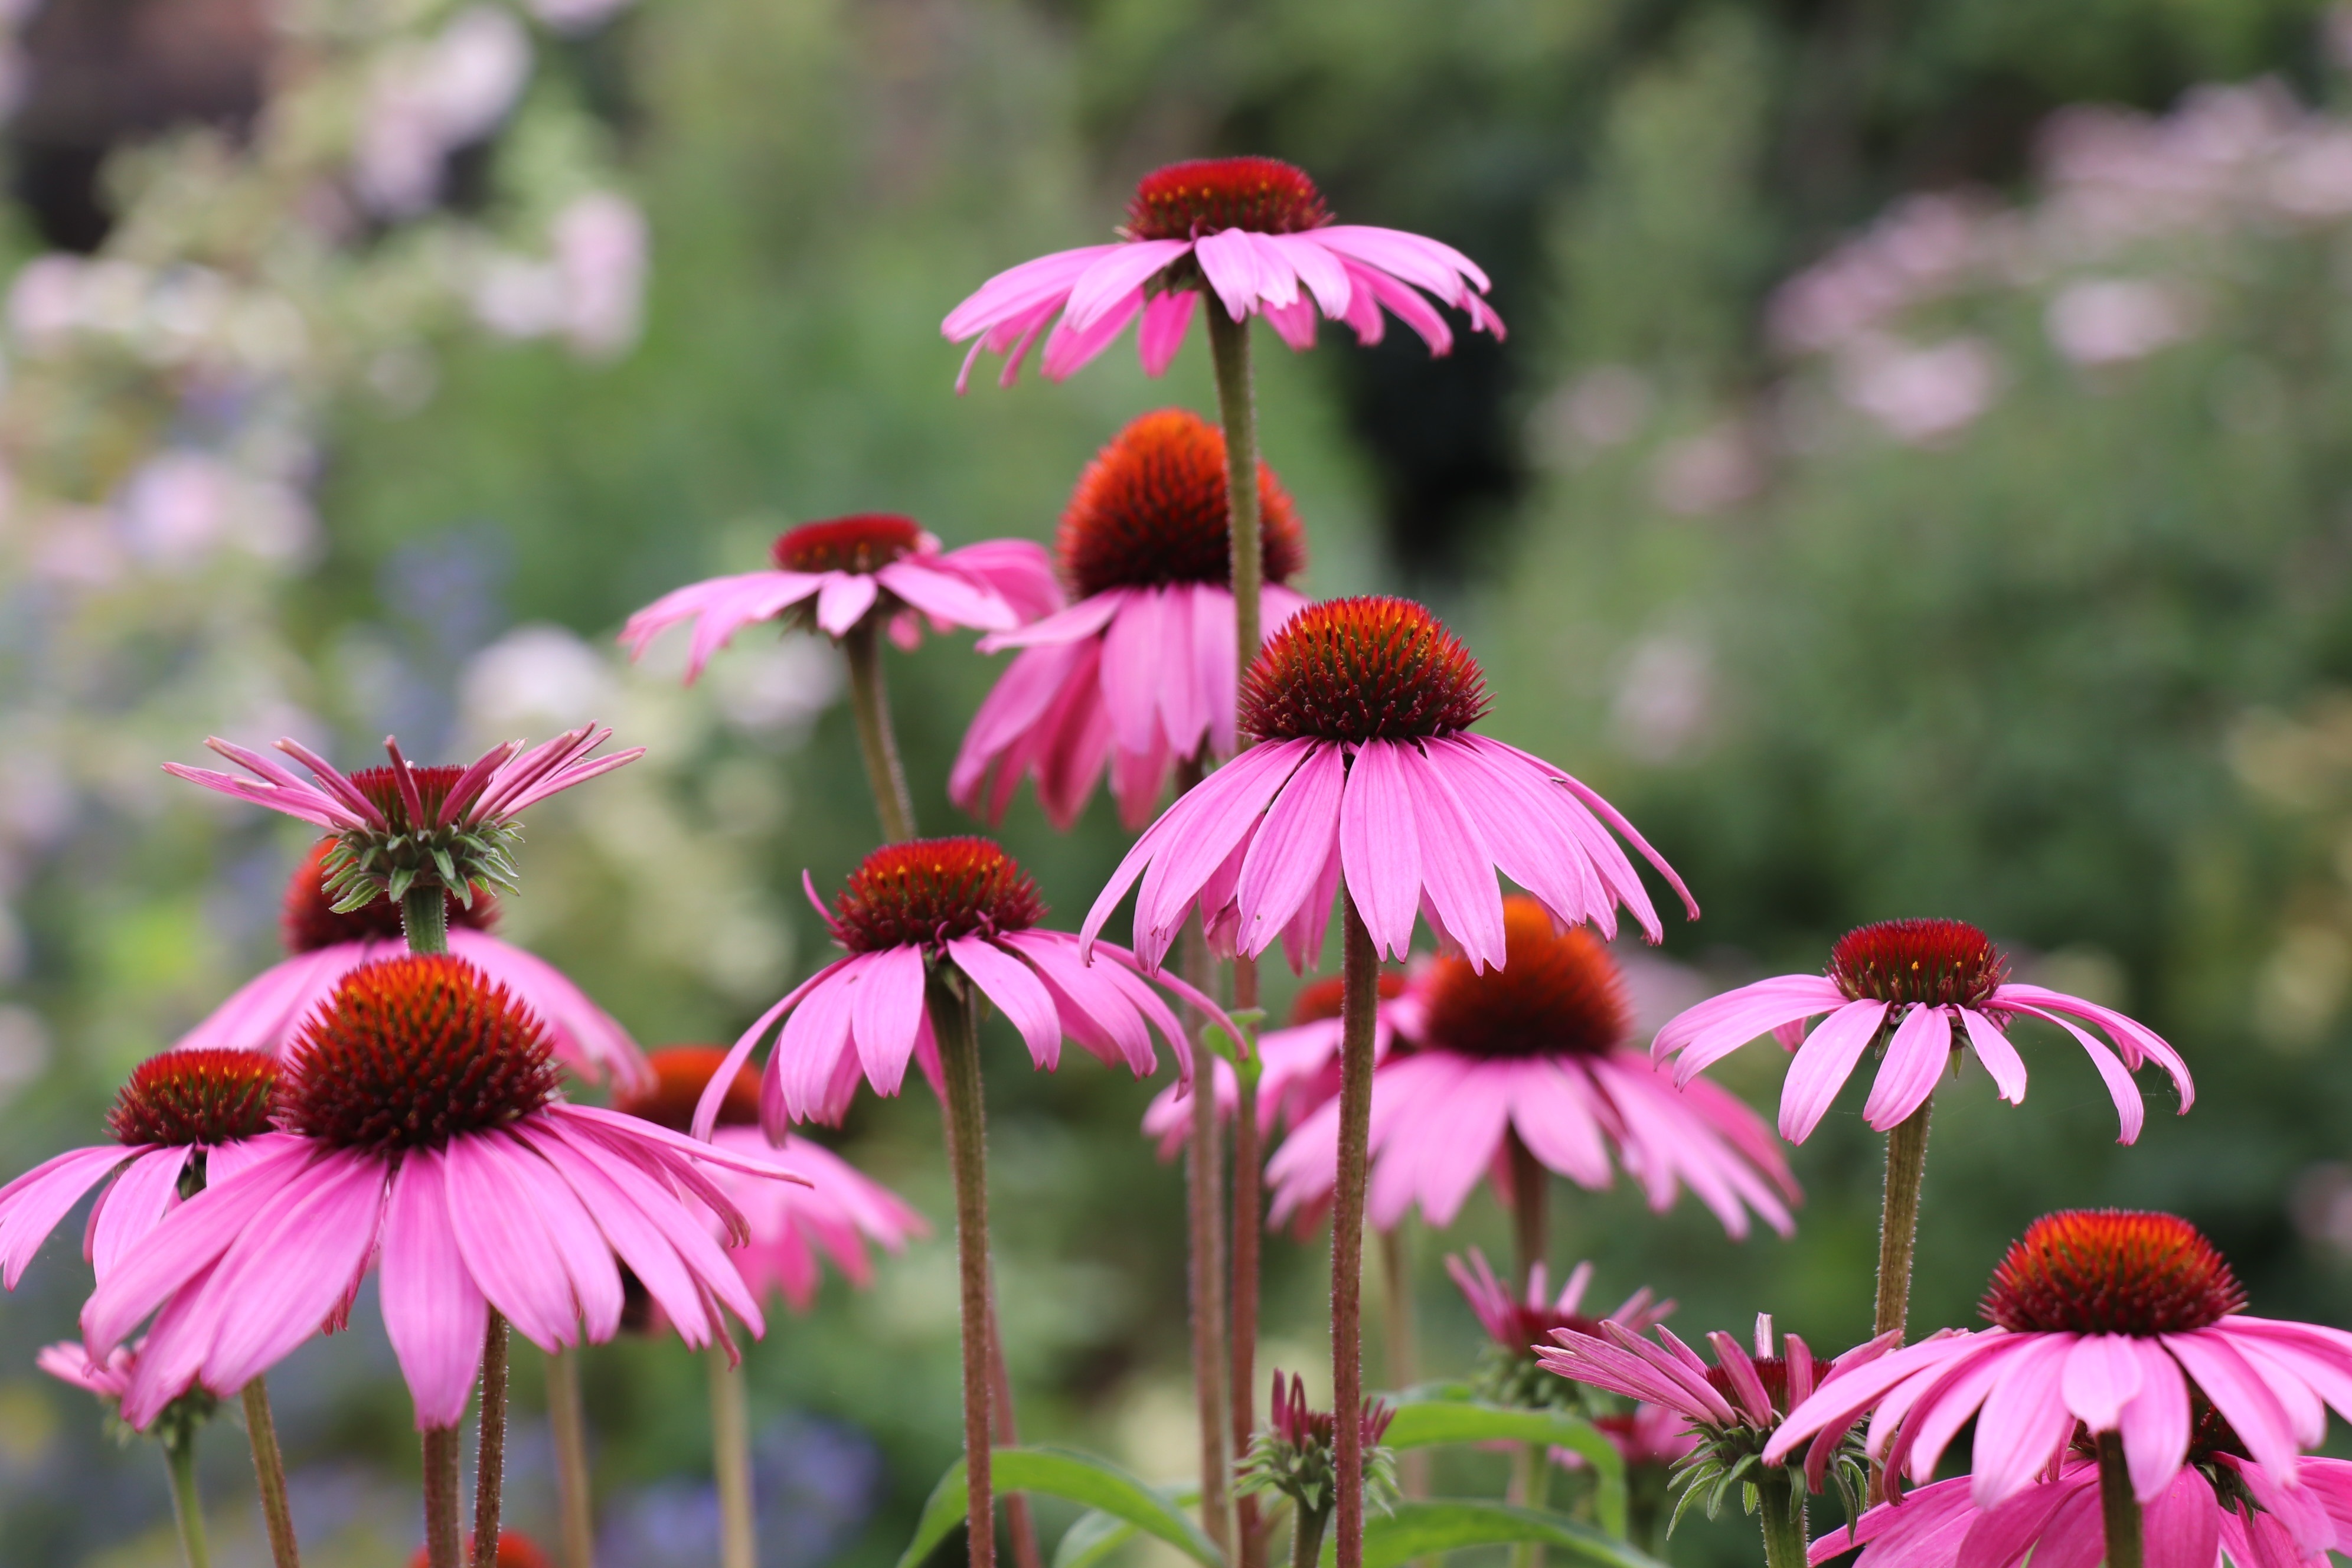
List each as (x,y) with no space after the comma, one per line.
(184,1119)
(1293,1453)
(423,1137)
(2218,1508)
(325,944)
(1929,989)
(1368,766)
(1136,675)
(1253,231)
(1735,1406)
(399,826)
(2118,1322)
(964,910)
(1520,1326)
(787,1227)
(1536,1049)
(1298,1067)
(830,577)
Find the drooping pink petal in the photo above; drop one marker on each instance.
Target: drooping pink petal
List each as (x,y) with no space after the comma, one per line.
(1167,317)
(1820,1067)
(586,1039)
(946,595)
(432,1312)
(1280,872)
(136,1202)
(1020,291)
(706,1109)
(1018,994)
(2131,1112)
(293,1267)
(2102,1375)
(1457,869)
(2154,1422)
(844,601)
(505,1246)
(2000,1057)
(1379,846)
(189,1242)
(2024,1421)
(32,1204)
(2238,1391)
(1916,1059)
(1116,275)
(886,1007)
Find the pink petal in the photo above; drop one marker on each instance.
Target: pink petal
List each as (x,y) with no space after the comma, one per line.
(32,1204)
(2024,1421)
(886,1008)
(2154,1422)
(1069,350)
(1167,317)
(2101,1376)
(1820,1067)
(432,1312)
(1379,846)
(1116,276)
(844,600)
(714,1094)
(147,1190)
(1018,290)
(505,1247)
(1323,272)
(1915,1060)
(189,1242)
(1278,876)
(2000,1057)
(294,1266)
(1456,868)
(1017,993)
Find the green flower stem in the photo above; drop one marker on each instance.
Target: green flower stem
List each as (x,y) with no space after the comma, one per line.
(1306,1537)
(1530,1488)
(1531,1228)
(424,918)
(1782,1515)
(1248,1533)
(861,647)
(1360,994)
(1236,407)
(730,1460)
(1898,1219)
(1204,1227)
(2118,1508)
(269,1476)
(575,1501)
(956,1026)
(490,1457)
(441,1543)
(187,1505)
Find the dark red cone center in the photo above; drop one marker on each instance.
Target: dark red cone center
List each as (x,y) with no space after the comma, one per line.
(867,542)
(1941,962)
(2112,1272)
(381,786)
(1557,993)
(1362,669)
(933,890)
(1185,201)
(1151,509)
(194,1097)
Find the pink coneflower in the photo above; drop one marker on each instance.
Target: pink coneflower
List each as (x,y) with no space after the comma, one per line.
(185,1119)
(1519,1324)
(423,1135)
(1298,1067)
(1927,988)
(1368,768)
(323,945)
(1297,1455)
(964,907)
(2058,1520)
(400,829)
(835,1214)
(1254,230)
(1137,675)
(2128,1323)
(830,577)
(1735,1409)
(1524,1068)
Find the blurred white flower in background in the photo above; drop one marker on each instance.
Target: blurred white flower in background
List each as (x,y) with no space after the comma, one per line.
(535,680)
(1665,698)
(1710,472)
(2110,321)
(590,293)
(1921,395)
(428,99)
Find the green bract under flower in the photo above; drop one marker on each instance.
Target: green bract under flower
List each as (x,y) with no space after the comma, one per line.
(415,848)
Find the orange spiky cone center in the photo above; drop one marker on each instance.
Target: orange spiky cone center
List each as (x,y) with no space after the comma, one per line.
(933,890)
(680,1075)
(1183,201)
(1557,993)
(1151,509)
(413,1052)
(198,1097)
(1362,669)
(2112,1272)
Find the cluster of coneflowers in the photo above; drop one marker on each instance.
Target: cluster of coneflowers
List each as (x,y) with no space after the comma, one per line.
(392,1097)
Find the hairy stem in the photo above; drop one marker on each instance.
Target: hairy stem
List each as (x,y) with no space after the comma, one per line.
(1898,1218)
(1306,1537)
(269,1476)
(1531,1228)
(1237,408)
(955,1025)
(490,1457)
(2118,1508)
(187,1505)
(441,1543)
(567,1414)
(1359,993)
(424,919)
(1204,1227)
(731,1461)
(861,646)
(1782,1515)
(1242,1404)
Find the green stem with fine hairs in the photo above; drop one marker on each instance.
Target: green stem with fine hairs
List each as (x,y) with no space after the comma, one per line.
(1237,409)
(1898,1218)
(1204,1227)
(956,1026)
(490,1457)
(2119,1511)
(869,702)
(424,918)
(1358,997)
(1307,1536)
(1248,1533)
(731,1461)
(1782,1515)
(568,1420)
(187,1504)
(441,1541)
(269,1477)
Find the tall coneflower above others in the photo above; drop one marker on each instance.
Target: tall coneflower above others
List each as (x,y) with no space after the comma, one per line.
(1137,675)
(1367,767)
(423,1137)
(1524,1069)
(433,832)
(323,944)
(838,575)
(1928,988)
(2125,1324)
(1256,233)
(185,1119)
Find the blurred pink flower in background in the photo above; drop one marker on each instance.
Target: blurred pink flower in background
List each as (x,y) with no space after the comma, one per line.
(1298,1067)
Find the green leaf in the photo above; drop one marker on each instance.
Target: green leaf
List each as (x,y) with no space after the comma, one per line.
(1064,1473)
(1097,1535)
(1422,1423)
(1413,1530)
